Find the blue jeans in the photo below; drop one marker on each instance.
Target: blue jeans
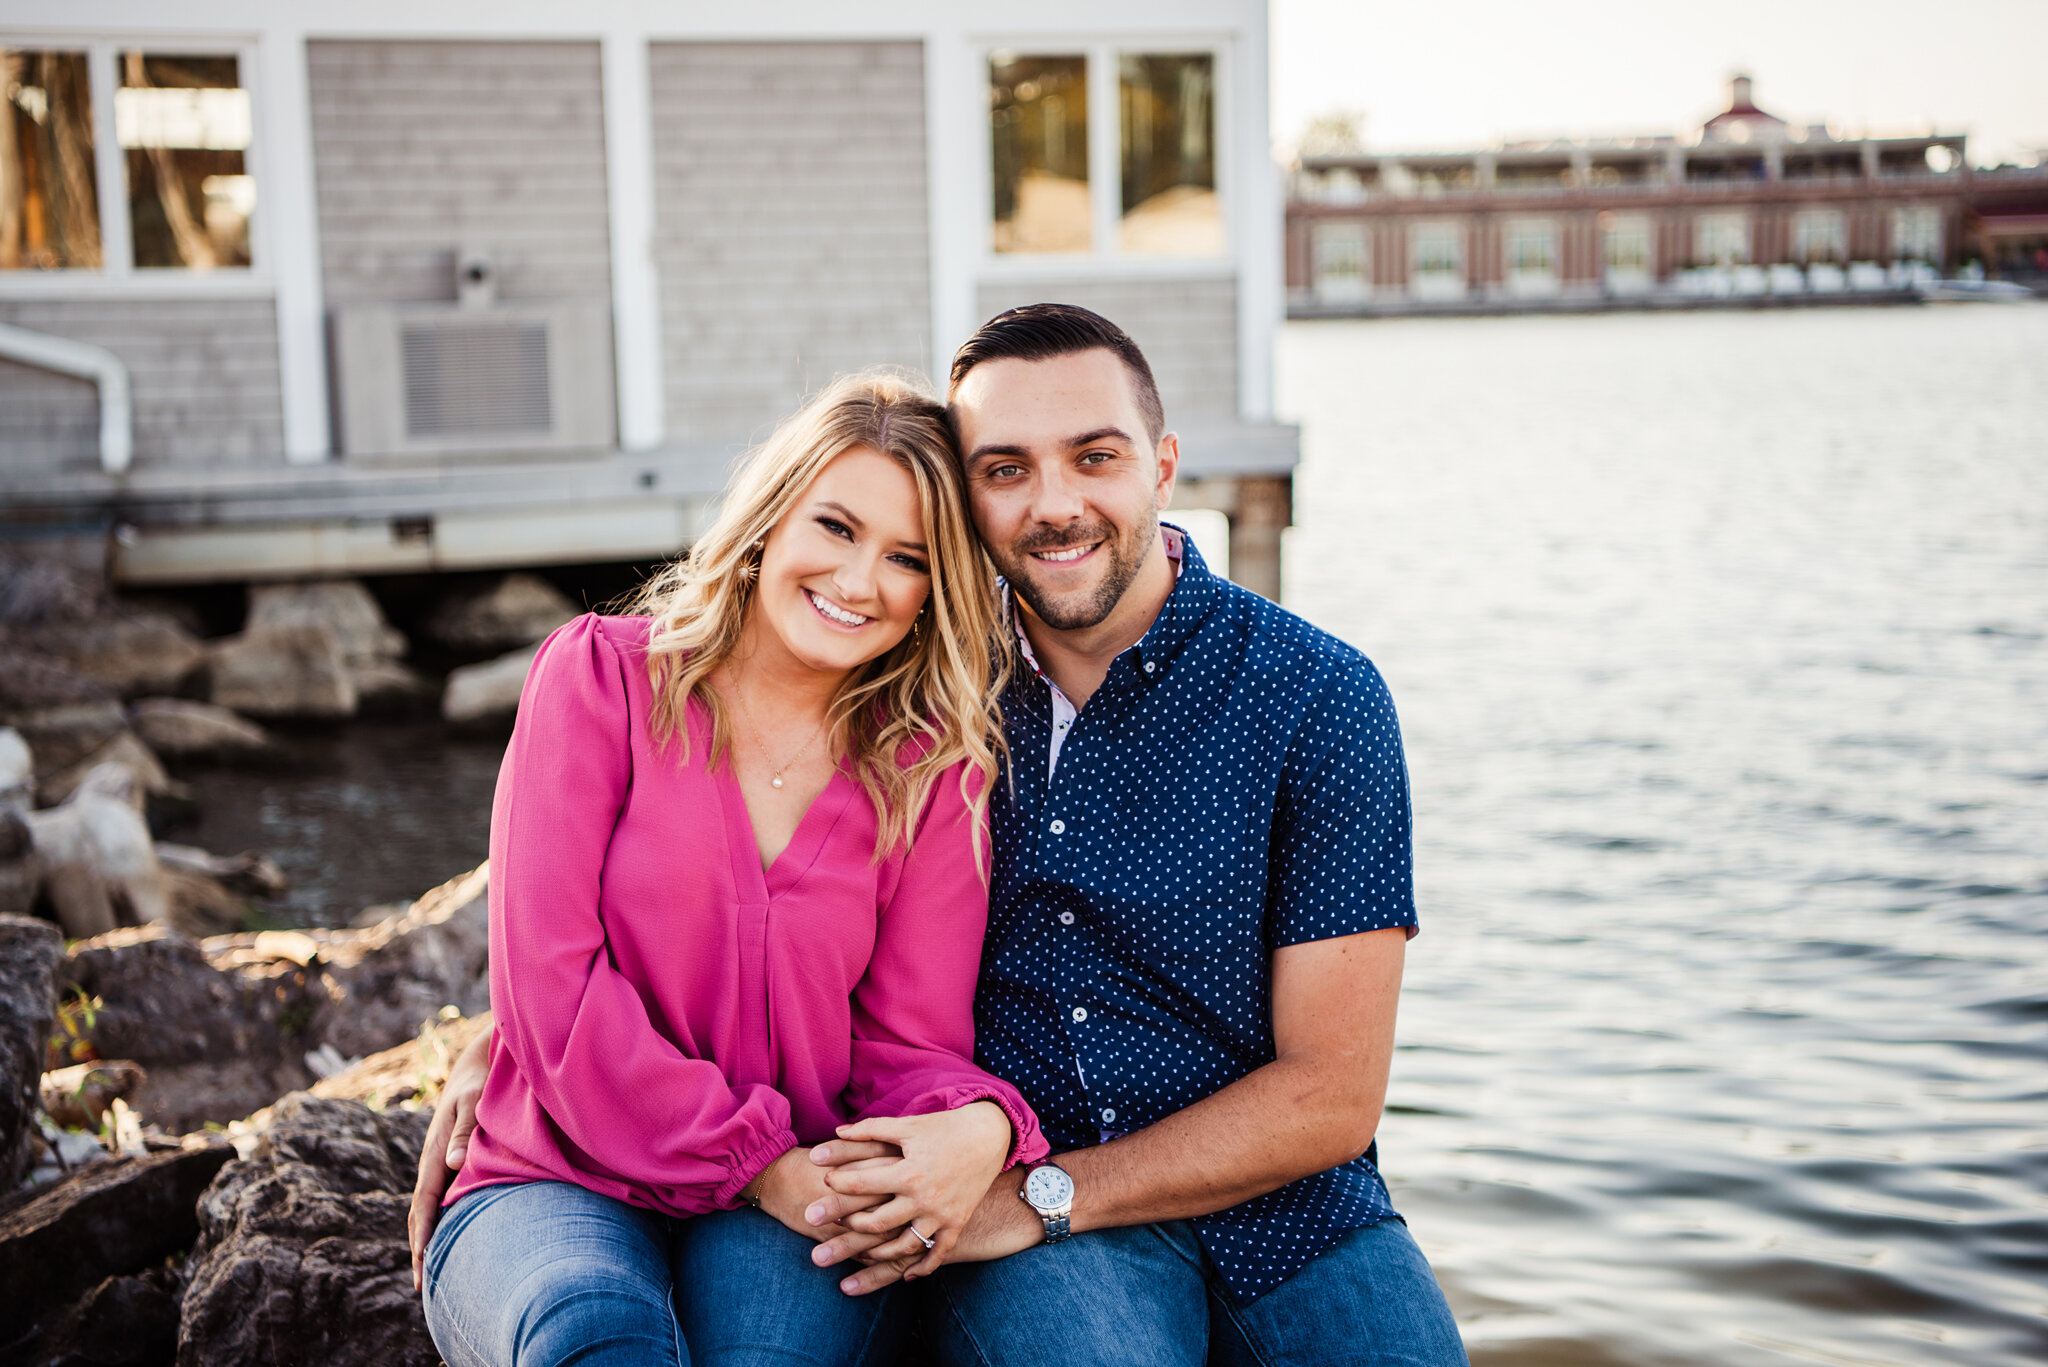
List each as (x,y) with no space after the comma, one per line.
(539,1273)
(1145,1296)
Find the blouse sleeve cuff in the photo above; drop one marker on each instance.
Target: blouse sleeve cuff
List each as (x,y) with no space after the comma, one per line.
(750,1165)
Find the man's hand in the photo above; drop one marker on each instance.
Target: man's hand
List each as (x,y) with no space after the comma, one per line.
(1002,1224)
(947,1160)
(447,1144)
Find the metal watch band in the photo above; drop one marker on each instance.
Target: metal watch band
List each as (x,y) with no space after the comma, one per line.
(1057,1226)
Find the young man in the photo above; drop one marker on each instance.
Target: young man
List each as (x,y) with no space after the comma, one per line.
(1201,899)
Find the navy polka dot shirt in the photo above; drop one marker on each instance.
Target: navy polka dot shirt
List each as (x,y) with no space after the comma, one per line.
(1235,785)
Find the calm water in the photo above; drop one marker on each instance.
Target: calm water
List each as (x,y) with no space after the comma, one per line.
(1718,643)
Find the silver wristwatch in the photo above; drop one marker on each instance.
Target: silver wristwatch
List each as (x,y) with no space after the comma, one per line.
(1050,1191)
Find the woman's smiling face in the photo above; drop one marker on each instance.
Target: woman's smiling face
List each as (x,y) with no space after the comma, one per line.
(847,569)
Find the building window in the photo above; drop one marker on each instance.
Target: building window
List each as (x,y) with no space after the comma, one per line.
(1155,113)
(183,123)
(1038,118)
(1626,245)
(1532,257)
(1720,239)
(1819,235)
(170,190)
(1436,260)
(1341,260)
(1168,116)
(49,196)
(1916,233)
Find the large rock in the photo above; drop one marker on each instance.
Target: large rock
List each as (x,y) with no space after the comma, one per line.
(217,1043)
(29,953)
(296,670)
(489,692)
(517,610)
(17,772)
(187,730)
(62,715)
(342,608)
(99,864)
(385,981)
(302,1256)
(105,1220)
(21,868)
(71,614)
(224,1025)
(127,753)
(121,1322)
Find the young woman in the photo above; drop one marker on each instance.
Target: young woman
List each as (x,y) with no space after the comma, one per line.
(738,891)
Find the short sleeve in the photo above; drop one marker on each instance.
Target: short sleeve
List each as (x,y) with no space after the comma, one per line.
(1342,859)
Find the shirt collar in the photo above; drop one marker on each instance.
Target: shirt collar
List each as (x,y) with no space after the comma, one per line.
(1195,589)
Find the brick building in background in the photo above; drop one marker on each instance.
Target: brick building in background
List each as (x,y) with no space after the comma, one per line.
(1747,210)
(318,286)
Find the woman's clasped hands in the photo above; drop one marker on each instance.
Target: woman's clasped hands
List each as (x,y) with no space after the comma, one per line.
(900,1189)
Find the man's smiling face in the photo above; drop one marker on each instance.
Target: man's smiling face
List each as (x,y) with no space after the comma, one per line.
(1065,480)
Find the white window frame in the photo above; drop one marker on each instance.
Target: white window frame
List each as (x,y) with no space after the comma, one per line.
(117,275)
(1105,159)
(1832,225)
(1331,287)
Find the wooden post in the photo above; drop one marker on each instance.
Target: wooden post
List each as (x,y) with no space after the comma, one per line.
(1264,508)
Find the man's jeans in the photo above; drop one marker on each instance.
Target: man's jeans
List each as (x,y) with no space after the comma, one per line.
(1145,1296)
(538,1273)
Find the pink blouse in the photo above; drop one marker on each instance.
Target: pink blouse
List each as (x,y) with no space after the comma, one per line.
(670,1017)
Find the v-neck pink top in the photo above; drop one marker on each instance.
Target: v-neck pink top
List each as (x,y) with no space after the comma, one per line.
(670,1017)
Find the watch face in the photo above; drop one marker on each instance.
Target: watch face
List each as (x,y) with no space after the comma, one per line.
(1048,1188)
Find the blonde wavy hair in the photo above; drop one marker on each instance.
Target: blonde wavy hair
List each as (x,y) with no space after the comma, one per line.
(905,716)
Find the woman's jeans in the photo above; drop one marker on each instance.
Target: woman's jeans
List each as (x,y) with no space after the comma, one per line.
(539,1273)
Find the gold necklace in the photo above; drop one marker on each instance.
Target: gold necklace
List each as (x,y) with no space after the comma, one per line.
(775,772)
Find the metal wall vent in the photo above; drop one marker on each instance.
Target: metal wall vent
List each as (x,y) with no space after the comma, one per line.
(483,376)
(423,379)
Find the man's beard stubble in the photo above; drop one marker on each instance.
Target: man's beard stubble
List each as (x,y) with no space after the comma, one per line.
(1126,558)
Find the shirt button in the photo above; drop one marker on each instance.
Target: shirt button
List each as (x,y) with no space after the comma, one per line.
(1058,827)
(1066,918)
(1080,1014)
(1151,665)
(1108,1114)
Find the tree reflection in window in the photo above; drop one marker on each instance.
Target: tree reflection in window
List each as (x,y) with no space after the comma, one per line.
(1038,125)
(184,122)
(1169,203)
(49,200)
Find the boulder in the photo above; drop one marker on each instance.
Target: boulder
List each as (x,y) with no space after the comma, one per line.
(387,686)
(224,1025)
(217,1042)
(487,692)
(127,753)
(29,953)
(199,905)
(21,868)
(132,653)
(108,1219)
(384,981)
(99,865)
(71,614)
(302,1256)
(121,1322)
(61,714)
(248,873)
(517,610)
(79,1097)
(284,671)
(187,730)
(342,608)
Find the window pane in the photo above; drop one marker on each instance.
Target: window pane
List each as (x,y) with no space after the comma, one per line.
(184,123)
(49,202)
(1169,157)
(1038,124)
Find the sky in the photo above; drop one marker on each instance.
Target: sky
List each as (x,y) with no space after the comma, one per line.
(1433,75)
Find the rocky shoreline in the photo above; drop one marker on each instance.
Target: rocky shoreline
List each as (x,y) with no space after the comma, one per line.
(208,1129)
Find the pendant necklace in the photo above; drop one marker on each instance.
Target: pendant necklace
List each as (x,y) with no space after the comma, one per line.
(776,771)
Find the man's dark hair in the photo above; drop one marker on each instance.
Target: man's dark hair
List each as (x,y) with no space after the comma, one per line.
(1039,332)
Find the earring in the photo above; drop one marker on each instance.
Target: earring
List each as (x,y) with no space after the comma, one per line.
(752,569)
